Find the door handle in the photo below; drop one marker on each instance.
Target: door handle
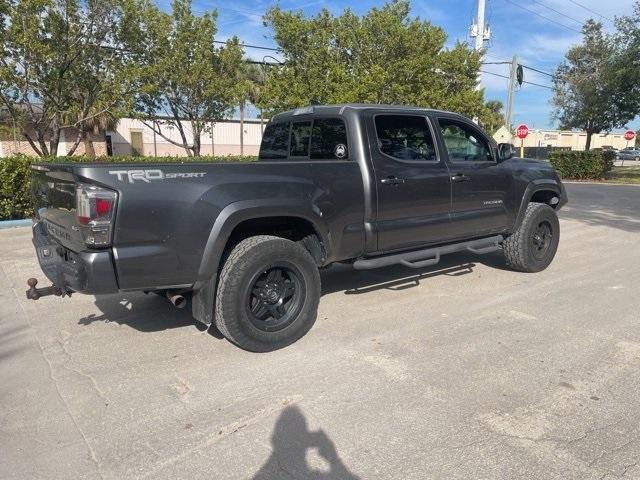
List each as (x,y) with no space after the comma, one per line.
(460,177)
(392,181)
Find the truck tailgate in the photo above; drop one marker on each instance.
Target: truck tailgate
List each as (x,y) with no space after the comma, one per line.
(54,193)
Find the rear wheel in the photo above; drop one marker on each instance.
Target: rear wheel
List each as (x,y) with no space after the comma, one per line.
(533,245)
(268,293)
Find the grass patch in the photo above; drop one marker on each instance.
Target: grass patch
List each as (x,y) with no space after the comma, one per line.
(623,175)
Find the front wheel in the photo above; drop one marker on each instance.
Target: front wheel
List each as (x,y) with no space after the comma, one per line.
(268,293)
(533,245)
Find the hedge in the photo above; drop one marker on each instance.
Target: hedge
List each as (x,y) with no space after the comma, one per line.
(15,177)
(582,165)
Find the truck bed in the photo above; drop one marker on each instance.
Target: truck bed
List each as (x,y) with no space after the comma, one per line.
(166,212)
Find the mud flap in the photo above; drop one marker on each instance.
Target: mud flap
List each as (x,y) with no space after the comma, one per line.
(202,302)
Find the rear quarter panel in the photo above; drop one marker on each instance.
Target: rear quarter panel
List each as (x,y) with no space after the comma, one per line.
(162,225)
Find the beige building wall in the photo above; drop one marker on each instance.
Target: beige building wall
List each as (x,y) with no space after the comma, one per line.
(562,138)
(224,138)
(10,146)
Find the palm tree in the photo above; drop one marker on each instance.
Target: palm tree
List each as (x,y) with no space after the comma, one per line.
(252,81)
(99,124)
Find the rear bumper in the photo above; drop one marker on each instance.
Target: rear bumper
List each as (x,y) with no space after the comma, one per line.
(89,272)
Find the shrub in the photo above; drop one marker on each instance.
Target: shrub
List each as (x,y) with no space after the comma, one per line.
(15,177)
(582,165)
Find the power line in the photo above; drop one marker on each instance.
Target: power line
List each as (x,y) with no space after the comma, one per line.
(538,85)
(523,66)
(495,74)
(590,10)
(539,71)
(557,11)
(258,62)
(542,16)
(508,78)
(259,47)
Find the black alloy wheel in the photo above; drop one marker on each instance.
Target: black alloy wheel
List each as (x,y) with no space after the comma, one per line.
(541,239)
(275,297)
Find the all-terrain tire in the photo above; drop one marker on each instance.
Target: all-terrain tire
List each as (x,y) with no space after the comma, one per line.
(533,245)
(248,265)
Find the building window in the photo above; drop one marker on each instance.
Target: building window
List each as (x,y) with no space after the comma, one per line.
(109,143)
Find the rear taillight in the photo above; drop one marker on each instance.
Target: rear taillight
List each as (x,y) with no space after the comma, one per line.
(95,207)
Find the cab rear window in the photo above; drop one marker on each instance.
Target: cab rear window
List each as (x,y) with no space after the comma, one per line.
(320,139)
(275,141)
(329,140)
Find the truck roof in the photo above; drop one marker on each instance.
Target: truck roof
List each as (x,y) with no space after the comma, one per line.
(338,109)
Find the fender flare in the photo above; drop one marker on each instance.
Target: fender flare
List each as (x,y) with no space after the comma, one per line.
(235,213)
(204,290)
(533,187)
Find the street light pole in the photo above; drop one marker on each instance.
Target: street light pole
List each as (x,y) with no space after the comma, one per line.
(481,32)
(480,28)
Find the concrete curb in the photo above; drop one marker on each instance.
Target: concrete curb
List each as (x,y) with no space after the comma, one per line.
(15,223)
(602,183)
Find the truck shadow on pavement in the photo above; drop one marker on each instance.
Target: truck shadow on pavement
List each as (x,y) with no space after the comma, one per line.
(291,442)
(146,313)
(152,313)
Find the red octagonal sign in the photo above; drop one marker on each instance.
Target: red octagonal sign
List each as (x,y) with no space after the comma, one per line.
(522,131)
(629,135)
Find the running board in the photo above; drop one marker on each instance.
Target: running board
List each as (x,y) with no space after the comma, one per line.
(430,256)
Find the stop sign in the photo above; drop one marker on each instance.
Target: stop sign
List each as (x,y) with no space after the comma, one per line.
(522,131)
(629,135)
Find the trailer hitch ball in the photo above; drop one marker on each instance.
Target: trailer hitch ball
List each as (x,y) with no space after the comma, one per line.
(35,293)
(32,293)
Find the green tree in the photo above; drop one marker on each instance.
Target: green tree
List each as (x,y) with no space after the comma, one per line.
(627,69)
(384,56)
(61,63)
(589,91)
(493,118)
(181,74)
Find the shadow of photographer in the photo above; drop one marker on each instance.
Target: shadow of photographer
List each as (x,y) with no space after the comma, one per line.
(292,441)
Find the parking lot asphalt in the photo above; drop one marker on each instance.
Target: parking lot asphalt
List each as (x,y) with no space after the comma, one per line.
(462,371)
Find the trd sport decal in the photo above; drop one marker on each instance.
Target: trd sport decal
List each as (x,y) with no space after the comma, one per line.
(152,175)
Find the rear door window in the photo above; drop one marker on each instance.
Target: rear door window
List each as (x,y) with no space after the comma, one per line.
(329,140)
(275,141)
(405,137)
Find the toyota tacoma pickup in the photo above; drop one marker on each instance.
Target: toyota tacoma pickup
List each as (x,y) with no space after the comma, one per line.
(367,185)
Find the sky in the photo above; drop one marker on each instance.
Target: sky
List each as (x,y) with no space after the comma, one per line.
(517,28)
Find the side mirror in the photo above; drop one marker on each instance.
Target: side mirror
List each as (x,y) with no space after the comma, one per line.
(505,151)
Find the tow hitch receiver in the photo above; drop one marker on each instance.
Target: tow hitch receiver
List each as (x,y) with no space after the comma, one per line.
(35,293)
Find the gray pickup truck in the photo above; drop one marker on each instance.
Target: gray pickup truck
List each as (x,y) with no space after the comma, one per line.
(368,185)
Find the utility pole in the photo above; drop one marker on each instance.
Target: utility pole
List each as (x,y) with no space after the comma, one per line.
(513,81)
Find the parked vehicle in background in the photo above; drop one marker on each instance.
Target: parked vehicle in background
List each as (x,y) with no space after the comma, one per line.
(629,153)
(369,185)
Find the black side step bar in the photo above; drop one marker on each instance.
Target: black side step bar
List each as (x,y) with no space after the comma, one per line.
(430,256)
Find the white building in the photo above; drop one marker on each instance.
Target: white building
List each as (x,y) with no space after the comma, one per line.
(562,138)
(132,136)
